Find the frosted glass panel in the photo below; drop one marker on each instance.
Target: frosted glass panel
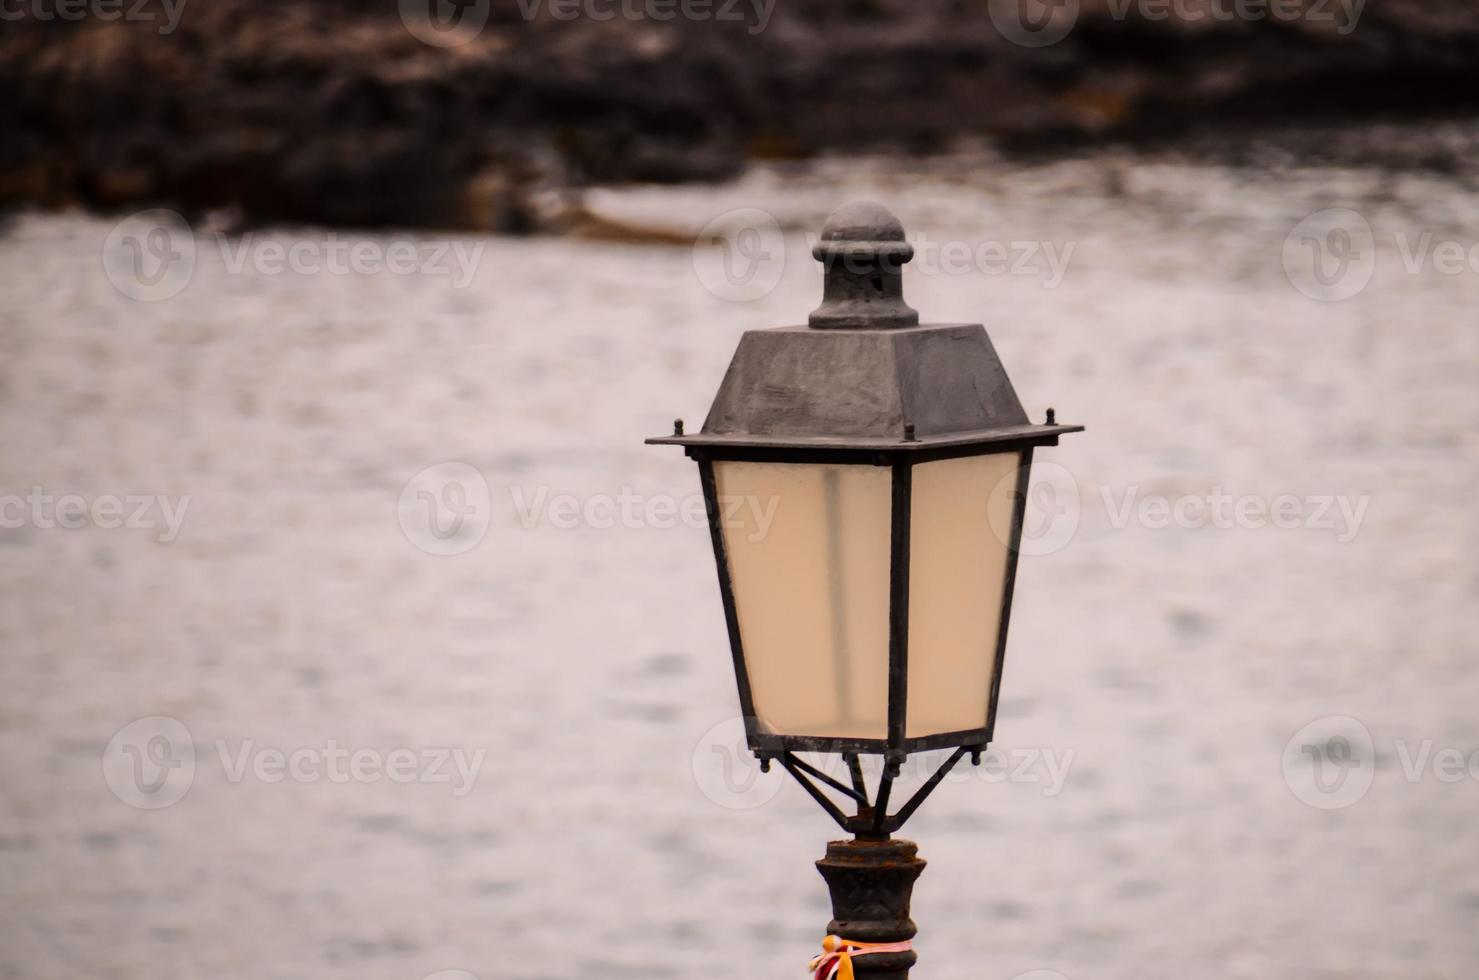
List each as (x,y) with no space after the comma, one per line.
(961,513)
(808,549)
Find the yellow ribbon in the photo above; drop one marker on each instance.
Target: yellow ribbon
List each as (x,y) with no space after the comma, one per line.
(835,963)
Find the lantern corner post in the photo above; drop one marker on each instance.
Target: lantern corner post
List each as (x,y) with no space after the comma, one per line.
(900,517)
(1009,587)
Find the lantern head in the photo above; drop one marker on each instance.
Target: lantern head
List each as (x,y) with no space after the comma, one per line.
(865,480)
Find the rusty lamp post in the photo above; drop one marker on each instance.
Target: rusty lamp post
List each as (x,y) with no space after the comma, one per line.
(871,616)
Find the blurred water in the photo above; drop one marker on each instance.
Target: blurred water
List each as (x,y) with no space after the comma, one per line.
(588,661)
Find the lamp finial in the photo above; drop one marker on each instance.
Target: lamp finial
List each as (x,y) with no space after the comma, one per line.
(863,251)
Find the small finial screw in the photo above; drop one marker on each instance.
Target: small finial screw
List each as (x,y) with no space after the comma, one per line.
(909,432)
(1052,417)
(678,426)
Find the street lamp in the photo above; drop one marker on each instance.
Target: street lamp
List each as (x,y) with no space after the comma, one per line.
(869,615)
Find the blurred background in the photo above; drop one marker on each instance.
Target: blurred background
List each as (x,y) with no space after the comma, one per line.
(347,629)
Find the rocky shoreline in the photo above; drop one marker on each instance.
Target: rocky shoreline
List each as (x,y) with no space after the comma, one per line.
(338,113)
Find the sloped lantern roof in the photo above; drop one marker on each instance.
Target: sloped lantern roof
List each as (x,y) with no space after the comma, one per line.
(864,374)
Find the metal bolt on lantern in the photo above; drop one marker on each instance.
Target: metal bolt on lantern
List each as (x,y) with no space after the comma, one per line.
(871,616)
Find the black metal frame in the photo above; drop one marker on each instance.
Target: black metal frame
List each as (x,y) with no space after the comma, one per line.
(896,746)
(872,820)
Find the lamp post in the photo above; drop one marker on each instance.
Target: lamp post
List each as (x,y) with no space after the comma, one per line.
(870,617)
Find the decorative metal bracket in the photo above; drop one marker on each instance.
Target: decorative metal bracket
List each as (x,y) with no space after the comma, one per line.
(872,820)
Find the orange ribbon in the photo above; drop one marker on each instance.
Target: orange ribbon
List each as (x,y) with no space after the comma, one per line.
(836,962)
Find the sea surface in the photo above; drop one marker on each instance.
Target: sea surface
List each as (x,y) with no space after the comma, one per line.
(378,515)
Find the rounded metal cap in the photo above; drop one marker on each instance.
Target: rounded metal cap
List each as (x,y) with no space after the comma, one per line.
(862,221)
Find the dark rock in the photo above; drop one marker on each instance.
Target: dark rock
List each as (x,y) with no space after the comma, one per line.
(333,111)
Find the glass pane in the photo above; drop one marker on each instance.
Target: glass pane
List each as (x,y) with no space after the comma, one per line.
(960,517)
(808,552)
